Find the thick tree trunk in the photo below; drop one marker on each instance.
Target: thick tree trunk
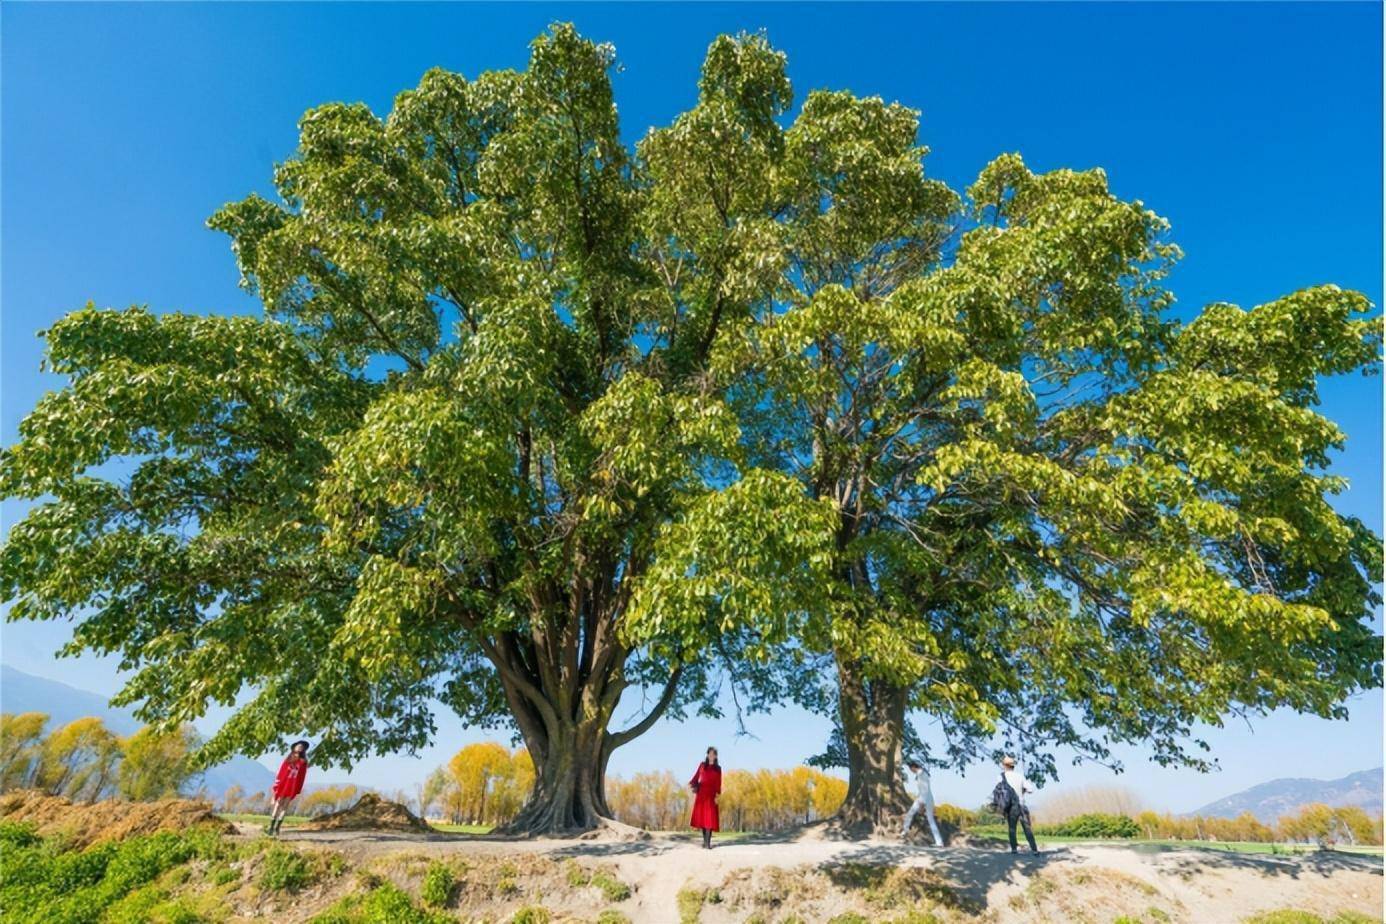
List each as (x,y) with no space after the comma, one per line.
(568,739)
(568,796)
(873,721)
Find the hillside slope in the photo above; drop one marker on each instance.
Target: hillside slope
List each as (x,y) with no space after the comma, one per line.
(1268,801)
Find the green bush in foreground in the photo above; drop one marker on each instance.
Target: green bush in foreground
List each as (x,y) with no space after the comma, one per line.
(384,904)
(285,870)
(1294,916)
(43,879)
(438,885)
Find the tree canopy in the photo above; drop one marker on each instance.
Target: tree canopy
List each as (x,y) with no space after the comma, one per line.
(533,418)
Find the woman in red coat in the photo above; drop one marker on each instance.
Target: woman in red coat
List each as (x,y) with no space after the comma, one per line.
(288,784)
(707,786)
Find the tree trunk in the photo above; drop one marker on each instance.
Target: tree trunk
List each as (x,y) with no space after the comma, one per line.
(873,721)
(568,795)
(568,739)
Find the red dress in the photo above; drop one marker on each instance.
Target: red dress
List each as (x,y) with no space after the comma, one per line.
(289,782)
(709,783)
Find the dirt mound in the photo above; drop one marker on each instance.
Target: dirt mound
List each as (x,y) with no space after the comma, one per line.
(87,823)
(370,813)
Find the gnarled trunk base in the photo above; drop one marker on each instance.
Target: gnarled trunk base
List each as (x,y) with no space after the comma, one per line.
(873,722)
(569,794)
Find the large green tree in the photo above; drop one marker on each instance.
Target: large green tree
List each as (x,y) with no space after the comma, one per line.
(534,418)
(438,465)
(1061,517)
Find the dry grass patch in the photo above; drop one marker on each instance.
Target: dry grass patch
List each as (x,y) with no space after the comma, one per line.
(849,893)
(370,813)
(83,824)
(1094,894)
(497,888)
(907,887)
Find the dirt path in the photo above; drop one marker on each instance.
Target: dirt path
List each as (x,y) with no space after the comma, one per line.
(1093,882)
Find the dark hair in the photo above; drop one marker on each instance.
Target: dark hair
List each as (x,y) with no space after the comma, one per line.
(914,764)
(710,750)
(305,744)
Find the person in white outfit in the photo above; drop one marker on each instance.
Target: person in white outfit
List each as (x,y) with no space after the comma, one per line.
(923,799)
(1019,813)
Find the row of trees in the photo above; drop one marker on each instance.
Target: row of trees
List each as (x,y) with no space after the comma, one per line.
(534,419)
(484,784)
(85,761)
(1313,823)
(751,800)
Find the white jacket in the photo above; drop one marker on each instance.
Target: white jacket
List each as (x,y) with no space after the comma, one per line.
(921,784)
(1018,783)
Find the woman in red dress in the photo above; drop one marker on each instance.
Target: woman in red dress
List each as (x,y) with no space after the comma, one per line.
(707,786)
(288,784)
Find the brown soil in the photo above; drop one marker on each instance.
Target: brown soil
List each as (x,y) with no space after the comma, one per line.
(370,813)
(773,880)
(88,823)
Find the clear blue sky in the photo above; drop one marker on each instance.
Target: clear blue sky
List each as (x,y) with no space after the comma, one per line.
(1255,128)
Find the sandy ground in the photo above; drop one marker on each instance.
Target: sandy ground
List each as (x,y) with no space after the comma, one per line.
(1074,883)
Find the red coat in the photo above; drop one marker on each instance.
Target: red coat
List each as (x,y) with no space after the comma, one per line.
(709,782)
(289,782)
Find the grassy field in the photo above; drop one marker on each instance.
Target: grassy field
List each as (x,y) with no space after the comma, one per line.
(291,821)
(246,818)
(989,832)
(1232,846)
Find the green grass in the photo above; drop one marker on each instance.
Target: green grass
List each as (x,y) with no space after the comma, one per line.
(449,828)
(248,818)
(1229,846)
(41,879)
(1293,916)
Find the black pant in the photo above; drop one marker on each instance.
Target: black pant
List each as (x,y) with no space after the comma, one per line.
(1022,815)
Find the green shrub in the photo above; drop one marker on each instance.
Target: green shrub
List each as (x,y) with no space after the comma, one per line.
(438,885)
(285,870)
(137,907)
(389,905)
(47,880)
(18,834)
(954,816)
(1295,916)
(1093,824)
(532,914)
(577,876)
(224,874)
(612,916)
(690,905)
(614,889)
(848,917)
(384,904)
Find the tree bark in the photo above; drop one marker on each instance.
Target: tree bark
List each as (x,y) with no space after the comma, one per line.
(568,737)
(872,713)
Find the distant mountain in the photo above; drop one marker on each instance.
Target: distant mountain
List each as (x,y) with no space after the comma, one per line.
(1268,801)
(21,692)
